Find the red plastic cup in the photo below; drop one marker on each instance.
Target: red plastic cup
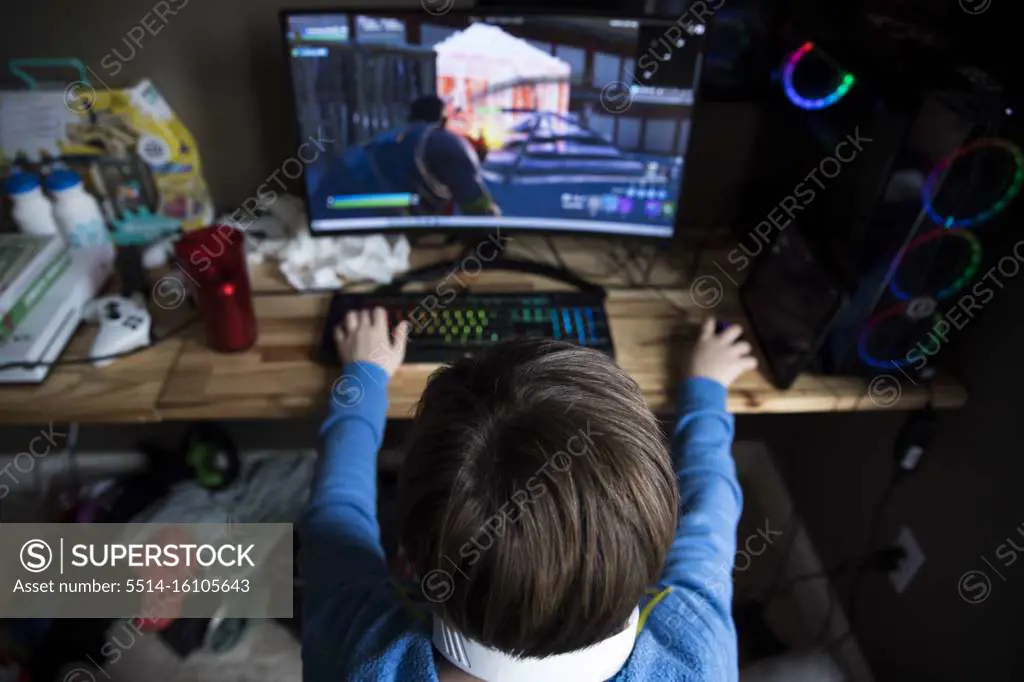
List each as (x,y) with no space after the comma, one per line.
(213,258)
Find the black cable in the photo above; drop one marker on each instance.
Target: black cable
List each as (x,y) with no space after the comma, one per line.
(698,254)
(629,259)
(878,516)
(675,306)
(780,569)
(649,268)
(621,263)
(579,273)
(884,559)
(874,529)
(836,570)
(113,356)
(868,559)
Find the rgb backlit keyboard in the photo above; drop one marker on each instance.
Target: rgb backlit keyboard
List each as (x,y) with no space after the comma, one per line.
(445,333)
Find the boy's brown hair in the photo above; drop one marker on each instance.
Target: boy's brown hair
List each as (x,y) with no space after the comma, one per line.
(538,499)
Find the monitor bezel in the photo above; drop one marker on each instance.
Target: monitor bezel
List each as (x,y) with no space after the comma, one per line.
(283,16)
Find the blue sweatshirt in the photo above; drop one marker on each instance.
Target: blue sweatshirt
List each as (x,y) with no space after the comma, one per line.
(358,624)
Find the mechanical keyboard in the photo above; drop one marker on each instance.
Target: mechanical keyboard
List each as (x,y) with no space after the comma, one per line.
(471,322)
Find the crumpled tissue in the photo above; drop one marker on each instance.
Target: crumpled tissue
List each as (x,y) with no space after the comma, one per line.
(309,262)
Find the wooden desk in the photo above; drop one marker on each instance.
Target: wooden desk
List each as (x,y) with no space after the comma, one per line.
(126,391)
(182,379)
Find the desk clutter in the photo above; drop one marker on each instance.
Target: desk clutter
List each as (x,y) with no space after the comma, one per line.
(94,176)
(44,288)
(200,479)
(134,156)
(48,287)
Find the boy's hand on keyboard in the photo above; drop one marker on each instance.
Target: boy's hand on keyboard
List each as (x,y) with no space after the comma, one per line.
(721,356)
(364,336)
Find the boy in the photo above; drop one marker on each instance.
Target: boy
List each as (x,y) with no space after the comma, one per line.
(553,534)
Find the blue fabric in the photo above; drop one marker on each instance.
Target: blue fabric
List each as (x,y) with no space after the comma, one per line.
(360,625)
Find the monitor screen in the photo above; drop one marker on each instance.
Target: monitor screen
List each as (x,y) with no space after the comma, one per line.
(466,122)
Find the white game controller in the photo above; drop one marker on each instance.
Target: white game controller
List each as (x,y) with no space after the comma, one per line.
(124,326)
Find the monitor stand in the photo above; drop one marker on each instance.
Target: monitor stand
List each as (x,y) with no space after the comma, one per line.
(470,254)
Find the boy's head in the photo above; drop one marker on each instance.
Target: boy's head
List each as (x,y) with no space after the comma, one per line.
(538,499)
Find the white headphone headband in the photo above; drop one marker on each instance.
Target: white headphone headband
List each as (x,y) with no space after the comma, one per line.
(596,663)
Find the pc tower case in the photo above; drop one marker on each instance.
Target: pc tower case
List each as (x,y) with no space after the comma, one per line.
(900,180)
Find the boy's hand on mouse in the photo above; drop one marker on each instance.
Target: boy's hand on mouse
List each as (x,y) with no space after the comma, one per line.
(721,356)
(364,336)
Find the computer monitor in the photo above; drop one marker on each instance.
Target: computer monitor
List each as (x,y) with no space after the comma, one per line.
(466,121)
